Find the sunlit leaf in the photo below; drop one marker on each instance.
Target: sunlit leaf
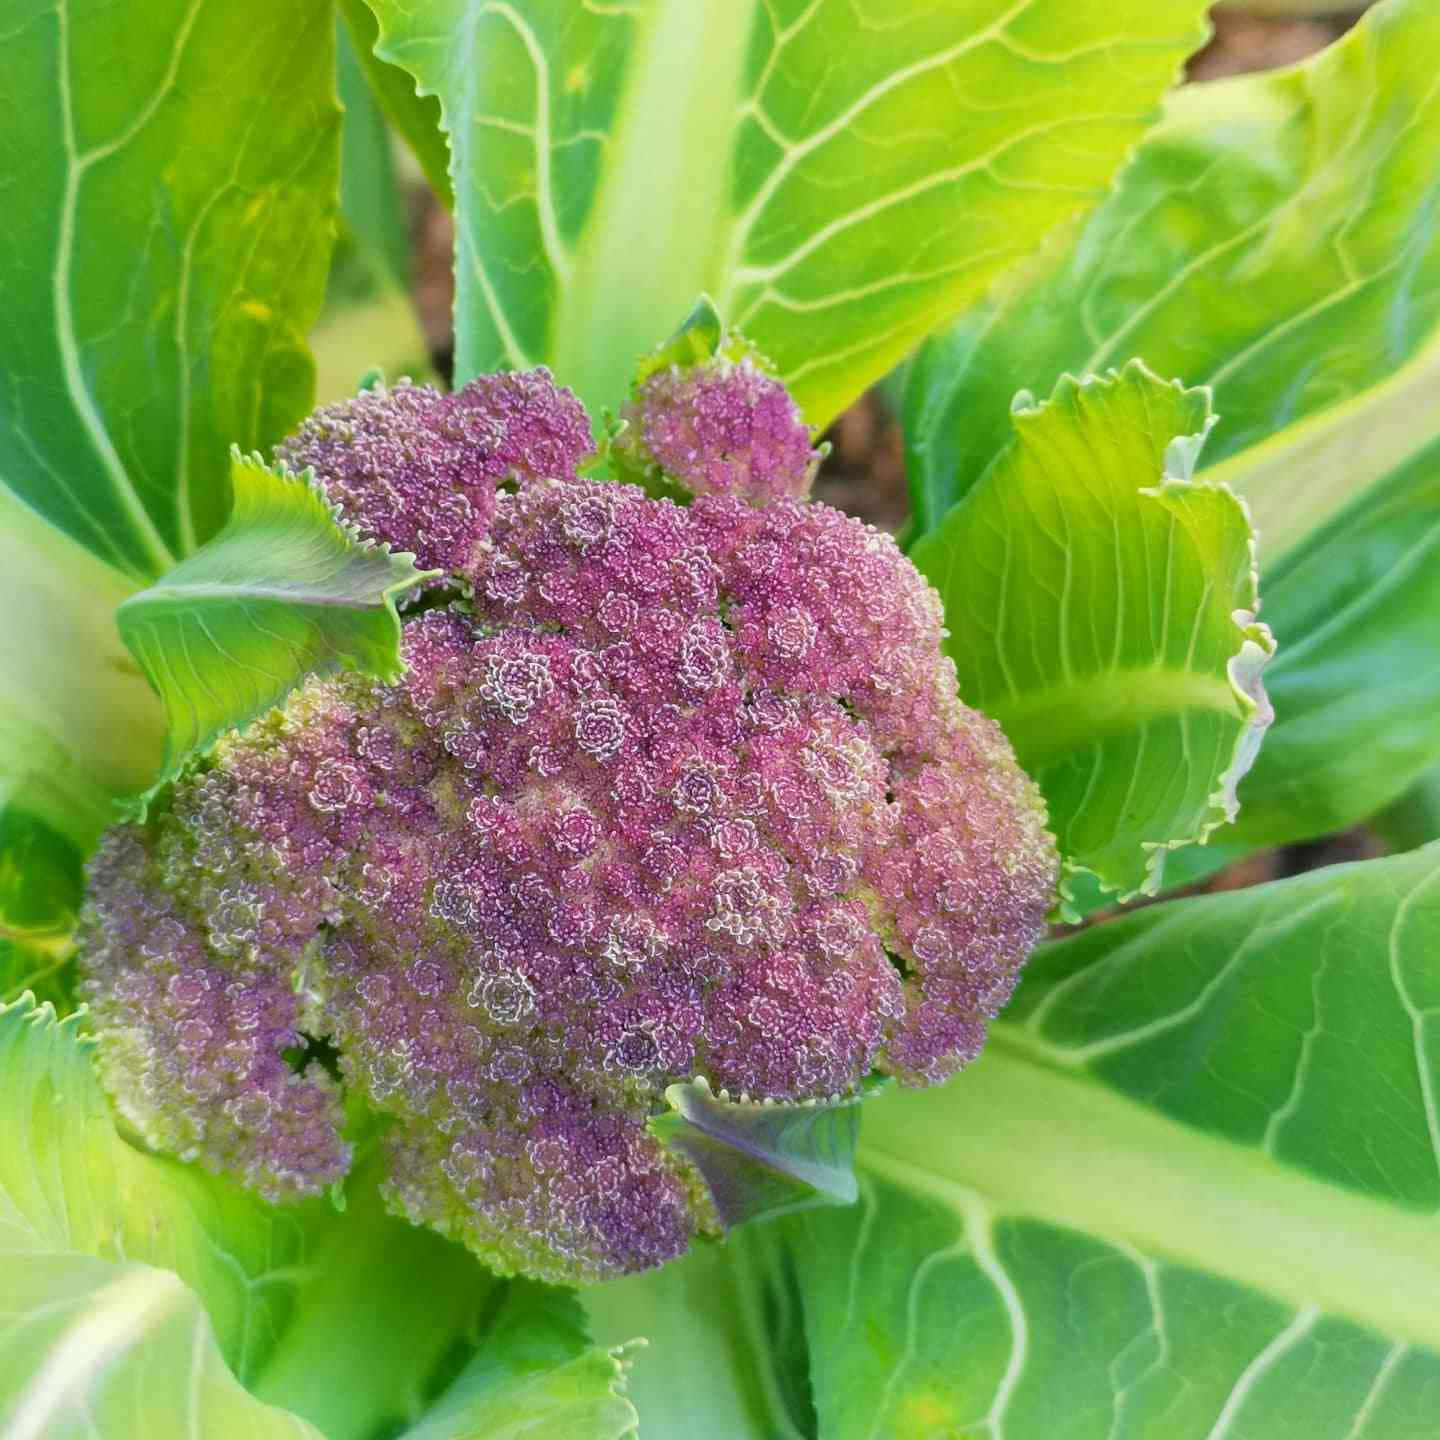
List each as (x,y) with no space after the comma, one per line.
(121,1351)
(1278,238)
(171,173)
(78,723)
(1191,1186)
(106,1253)
(140,134)
(70,1183)
(280,593)
(1100,599)
(840,176)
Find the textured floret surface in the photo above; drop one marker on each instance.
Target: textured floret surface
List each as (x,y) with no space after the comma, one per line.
(666,791)
(419,468)
(725,427)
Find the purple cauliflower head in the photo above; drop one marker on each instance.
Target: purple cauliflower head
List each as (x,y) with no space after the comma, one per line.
(666,792)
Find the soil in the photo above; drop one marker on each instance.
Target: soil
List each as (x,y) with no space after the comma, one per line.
(1259,42)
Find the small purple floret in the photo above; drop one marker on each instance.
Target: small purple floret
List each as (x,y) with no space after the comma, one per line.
(721,428)
(676,791)
(418,469)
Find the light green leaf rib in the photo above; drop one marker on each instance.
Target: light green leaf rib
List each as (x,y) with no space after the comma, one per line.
(840,176)
(1192,1187)
(70,1185)
(1100,603)
(281,593)
(106,1253)
(118,1350)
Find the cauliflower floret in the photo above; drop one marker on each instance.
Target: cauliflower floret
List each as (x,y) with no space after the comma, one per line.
(723,427)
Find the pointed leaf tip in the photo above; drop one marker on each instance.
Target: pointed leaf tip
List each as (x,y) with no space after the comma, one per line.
(762,1160)
(698,339)
(283,592)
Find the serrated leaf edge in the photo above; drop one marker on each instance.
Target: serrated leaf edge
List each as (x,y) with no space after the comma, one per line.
(1256,647)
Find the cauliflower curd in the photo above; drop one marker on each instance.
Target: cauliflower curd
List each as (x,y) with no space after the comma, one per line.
(666,791)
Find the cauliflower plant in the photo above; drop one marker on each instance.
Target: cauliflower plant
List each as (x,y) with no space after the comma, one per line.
(667,791)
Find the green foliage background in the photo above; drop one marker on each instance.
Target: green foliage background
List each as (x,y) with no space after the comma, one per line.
(1176,338)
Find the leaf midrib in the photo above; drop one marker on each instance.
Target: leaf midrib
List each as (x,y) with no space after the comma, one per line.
(1065,1149)
(183,597)
(1048,723)
(1304,474)
(597,328)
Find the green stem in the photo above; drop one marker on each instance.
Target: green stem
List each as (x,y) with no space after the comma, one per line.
(644,260)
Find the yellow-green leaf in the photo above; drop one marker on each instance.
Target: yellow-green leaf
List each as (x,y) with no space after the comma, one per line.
(1100,599)
(840,175)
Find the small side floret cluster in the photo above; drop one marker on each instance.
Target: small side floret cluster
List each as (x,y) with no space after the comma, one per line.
(725,428)
(667,790)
